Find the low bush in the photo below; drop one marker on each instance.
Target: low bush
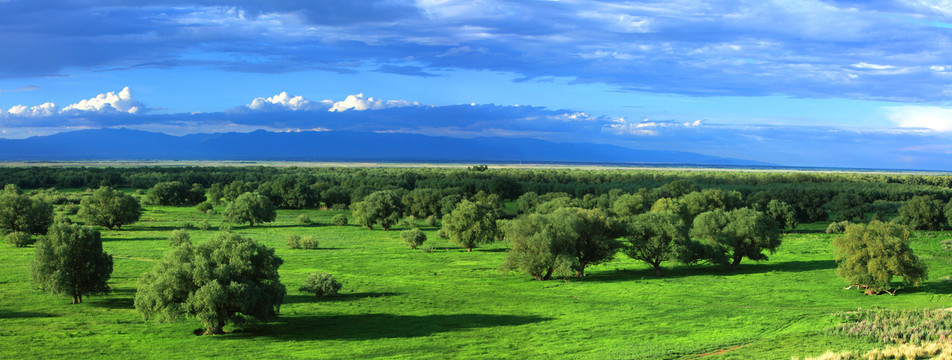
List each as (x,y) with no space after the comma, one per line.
(204,207)
(339,220)
(837,227)
(896,326)
(19,239)
(413,237)
(321,284)
(179,237)
(304,219)
(295,241)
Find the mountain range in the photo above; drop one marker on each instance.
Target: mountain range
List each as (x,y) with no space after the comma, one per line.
(129,145)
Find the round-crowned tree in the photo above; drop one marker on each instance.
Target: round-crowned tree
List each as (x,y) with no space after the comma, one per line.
(654,237)
(70,261)
(784,214)
(250,207)
(539,246)
(220,281)
(413,237)
(471,224)
(110,208)
(922,213)
(19,213)
(380,207)
(732,236)
(872,254)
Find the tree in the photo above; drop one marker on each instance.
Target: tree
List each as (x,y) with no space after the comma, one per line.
(784,214)
(595,236)
(176,193)
(19,213)
(110,208)
(471,224)
(871,255)
(654,237)
(539,246)
(70,260)
(847,206)
(629,205)
(413,237)
(380,207)
(732,236)
(922,213)
(251,207)
(219,281)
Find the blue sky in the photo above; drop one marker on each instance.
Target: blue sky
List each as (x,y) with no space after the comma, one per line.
(814,83)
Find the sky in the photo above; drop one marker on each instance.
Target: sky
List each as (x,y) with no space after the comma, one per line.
(859,84)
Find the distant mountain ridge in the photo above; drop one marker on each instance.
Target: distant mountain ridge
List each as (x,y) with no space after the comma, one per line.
(125,144)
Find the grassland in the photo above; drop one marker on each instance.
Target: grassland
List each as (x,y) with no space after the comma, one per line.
(447,303)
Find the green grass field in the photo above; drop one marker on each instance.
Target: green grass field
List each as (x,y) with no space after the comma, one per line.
(403,303)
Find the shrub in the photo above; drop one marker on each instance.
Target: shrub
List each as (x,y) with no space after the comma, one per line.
(188,225)
(339,220)
(204,207)
(304,219)
(308,242)
(204,225)
(432,220)
(19,239)
(896,326)
(408,222)
(413,237)
(947,245)
(837,227)
(339,207)
(294,241)
(71,209)
(179,237)
(320,284)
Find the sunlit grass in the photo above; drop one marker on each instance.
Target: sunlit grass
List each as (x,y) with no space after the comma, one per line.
(398,302)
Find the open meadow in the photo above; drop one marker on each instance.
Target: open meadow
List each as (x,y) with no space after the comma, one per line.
(445,302)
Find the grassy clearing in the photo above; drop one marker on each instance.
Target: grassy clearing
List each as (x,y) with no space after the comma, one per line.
(403,303)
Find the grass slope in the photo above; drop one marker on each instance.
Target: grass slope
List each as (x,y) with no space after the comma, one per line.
(402,303)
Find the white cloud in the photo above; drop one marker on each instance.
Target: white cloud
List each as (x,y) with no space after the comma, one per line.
(646,127)
(926,117)
(110,101)
(359,102)
(863,65)
(45,109)
(283,101)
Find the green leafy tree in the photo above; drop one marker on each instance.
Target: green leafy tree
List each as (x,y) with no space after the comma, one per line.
(629,205)
(70,260)
(471,224)
(671,206)
(19,213)
(339,220)
(922,213)
(422,202)
(595,236)
(250,207)
(176,193)
(784,214)
(380,207)
(847,206)
(873,254)
(110,208)
(732,236)
(219,281)
(540,246)
(413,237)
(655,237)
(179,237)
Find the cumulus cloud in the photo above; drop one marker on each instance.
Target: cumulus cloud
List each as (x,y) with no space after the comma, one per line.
(108,102)
(358,102)
(283,101)
(923,117)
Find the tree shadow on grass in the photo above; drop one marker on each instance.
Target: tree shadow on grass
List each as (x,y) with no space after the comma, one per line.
(378,326)
(8,314)
(117,299)
(108,239)
(708,270)
(298,299)
(937,287)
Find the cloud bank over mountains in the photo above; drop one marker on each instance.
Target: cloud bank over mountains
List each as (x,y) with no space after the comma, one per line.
(920,140)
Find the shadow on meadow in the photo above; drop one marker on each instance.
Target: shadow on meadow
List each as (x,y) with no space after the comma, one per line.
(8,314)
(117,299)
(708,270)
(378,326)
(303,299)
